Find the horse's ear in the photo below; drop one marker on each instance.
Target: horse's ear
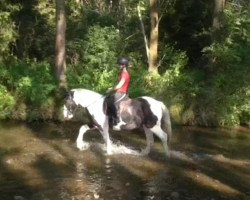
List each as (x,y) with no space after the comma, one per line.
(66,94)
(69,94)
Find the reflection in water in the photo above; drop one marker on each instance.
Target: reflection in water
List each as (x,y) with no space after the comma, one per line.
(108,168)
(40,161)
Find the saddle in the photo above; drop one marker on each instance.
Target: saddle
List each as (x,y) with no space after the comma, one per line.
(133,112)
(113,109)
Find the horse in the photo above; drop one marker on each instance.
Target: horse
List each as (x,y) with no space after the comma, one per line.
(142,113)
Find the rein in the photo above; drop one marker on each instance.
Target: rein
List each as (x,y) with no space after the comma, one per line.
(103,96)
(74,110)
(121,98)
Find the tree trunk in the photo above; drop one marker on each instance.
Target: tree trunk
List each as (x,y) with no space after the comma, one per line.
(154,36)
(143,32)
(216,35)
(60,63)
(218,11)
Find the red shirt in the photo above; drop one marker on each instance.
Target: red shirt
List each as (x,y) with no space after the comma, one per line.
(126,76)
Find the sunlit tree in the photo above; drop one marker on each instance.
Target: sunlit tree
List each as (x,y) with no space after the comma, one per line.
(154,37)
(60,63)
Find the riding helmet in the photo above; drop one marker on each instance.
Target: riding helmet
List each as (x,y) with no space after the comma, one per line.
(123,61)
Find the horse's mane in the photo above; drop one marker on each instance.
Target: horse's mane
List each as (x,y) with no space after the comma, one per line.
(86,91)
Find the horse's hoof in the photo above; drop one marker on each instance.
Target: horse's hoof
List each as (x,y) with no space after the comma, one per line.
(109,153)
(82,146)
(144,152)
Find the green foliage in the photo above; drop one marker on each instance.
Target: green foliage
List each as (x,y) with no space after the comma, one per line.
(233,48)
(91,79)
(101,46)
(27,86)
(230,80)
(35,28)
(35,83)
(7,102)
(99,58)
(162,87)
(214,92)
(8,33)
(172,59)
(186,24)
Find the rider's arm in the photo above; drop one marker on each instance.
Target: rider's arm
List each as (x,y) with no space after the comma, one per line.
(120,84)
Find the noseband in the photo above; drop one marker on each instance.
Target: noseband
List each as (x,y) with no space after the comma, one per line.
(71,106)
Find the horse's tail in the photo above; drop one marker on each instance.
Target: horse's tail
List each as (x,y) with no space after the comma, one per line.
(166,121)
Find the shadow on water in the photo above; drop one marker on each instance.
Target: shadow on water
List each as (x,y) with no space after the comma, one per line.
(40,161)
(13,178)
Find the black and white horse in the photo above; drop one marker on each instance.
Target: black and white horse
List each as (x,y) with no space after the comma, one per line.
(143,113)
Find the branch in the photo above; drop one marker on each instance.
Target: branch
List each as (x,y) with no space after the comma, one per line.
(160,61)
(143,32)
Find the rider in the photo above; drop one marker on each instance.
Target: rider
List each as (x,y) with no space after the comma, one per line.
(122,87)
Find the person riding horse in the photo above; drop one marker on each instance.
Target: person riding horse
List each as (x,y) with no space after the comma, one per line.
(121,91)
(142,113)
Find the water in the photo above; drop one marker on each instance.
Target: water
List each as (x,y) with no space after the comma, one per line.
(41,161)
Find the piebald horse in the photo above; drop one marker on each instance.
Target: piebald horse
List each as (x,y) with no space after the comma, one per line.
(143,113)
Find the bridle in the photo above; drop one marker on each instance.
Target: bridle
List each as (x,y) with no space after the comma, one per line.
(72,106)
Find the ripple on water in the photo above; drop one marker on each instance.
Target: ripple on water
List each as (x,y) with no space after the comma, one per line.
(41,162)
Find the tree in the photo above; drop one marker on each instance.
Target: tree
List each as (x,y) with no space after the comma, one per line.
(151,45)
(60,63)
(154,37)
(218,11)
(143,32)
(8,33)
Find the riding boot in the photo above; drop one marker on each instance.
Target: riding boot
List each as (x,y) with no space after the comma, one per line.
(116,119)
(113,118)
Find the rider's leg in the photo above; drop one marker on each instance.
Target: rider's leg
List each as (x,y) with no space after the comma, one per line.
(111,109)
(118,97)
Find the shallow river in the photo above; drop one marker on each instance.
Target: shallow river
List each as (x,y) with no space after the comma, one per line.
(41,162)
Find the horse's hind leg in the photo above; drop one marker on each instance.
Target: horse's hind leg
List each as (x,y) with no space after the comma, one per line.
(79,141)
(163,137)
(150,141)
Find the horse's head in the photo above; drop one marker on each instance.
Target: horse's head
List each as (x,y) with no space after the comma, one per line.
(70,106)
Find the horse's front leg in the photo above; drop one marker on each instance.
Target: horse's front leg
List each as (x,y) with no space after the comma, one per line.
(105,133)
(79,141)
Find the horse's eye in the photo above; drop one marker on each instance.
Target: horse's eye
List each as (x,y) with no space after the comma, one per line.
(71,106)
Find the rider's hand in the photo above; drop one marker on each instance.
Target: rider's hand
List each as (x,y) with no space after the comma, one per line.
(110,90)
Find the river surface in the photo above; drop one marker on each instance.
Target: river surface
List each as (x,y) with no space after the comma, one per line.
(40,161)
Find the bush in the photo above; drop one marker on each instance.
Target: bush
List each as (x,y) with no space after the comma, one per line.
(7,103)
(99,57)
(7,34)
(27,86)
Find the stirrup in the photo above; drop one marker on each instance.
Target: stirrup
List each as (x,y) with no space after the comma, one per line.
(115,121)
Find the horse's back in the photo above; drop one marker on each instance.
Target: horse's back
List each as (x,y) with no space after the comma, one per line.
(155,105)
(138,110)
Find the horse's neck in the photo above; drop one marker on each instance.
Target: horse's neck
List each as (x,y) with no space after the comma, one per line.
(85,97)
